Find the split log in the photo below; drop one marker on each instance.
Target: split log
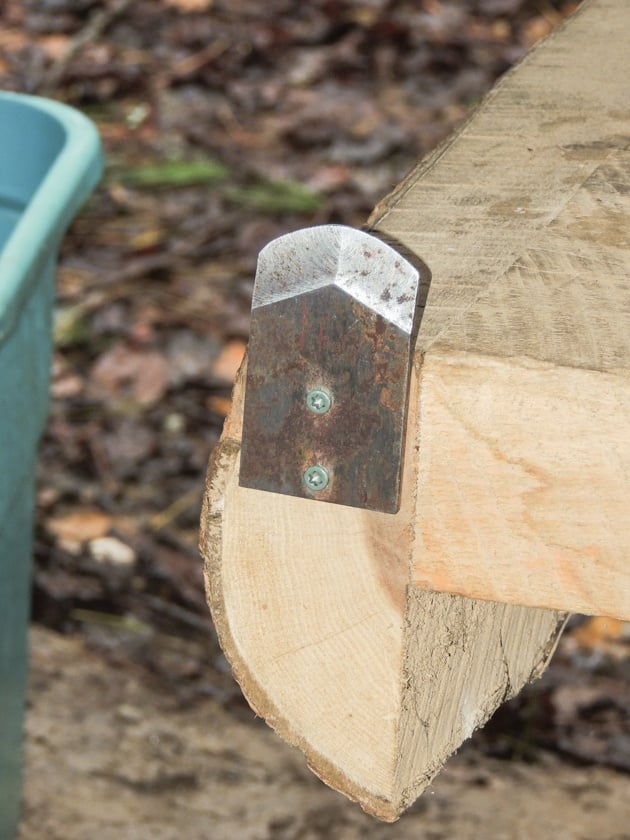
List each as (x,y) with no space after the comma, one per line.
(377,643)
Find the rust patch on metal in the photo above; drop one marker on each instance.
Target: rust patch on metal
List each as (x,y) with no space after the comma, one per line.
(325,339)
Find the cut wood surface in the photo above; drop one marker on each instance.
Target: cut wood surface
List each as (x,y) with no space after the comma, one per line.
(337,621)
(524,447)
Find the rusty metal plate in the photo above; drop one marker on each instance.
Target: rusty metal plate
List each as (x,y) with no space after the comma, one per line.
(328,368)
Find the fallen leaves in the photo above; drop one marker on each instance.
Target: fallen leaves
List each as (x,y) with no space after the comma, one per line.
(600,629)
(80,525)
(191,6)
(191,357)
(110,550)
(601,637)
(125,448)
(125,371)
(593,723)
(74,529)
(219,405)
(229,361)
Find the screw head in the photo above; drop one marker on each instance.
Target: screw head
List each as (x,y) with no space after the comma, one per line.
(318,401)
(316,478)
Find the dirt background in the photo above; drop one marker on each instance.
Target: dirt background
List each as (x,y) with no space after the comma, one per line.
(109,755)
(226,124)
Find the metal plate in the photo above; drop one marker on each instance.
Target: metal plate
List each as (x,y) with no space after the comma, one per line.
(328,369)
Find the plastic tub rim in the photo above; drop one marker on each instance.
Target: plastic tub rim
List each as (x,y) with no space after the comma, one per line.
(37,234)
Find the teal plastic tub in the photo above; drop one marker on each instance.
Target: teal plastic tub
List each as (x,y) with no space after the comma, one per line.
(50,160)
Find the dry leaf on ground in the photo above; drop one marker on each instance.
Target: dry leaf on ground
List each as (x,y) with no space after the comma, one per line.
(80,526)
(125,371)
(229,361)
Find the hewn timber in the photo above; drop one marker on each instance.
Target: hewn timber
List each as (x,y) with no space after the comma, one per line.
(337,621)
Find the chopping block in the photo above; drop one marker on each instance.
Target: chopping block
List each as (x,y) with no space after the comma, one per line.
(377,604)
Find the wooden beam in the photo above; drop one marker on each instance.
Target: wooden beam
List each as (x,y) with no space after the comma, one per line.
(326,613)
(524,349)
(528,502)
(377,683)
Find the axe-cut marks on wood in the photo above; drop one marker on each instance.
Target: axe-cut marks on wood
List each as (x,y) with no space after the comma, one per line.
(565,298)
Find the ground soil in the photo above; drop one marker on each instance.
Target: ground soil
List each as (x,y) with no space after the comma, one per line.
(108,756)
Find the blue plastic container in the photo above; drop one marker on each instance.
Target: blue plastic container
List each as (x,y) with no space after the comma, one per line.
(50,160)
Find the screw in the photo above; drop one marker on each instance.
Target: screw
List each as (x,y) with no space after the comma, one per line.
(316,478)
(318,401)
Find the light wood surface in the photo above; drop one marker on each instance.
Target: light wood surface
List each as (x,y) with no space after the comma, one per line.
(528,503)
(377,683)
(524,220)
(516,464)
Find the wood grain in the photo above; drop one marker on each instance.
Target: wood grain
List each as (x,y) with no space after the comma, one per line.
(334,649)
(338,622)
(525,339)
(311,616)
(528,503)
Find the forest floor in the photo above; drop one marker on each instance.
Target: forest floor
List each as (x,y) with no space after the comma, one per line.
(111,756)
(226,124)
